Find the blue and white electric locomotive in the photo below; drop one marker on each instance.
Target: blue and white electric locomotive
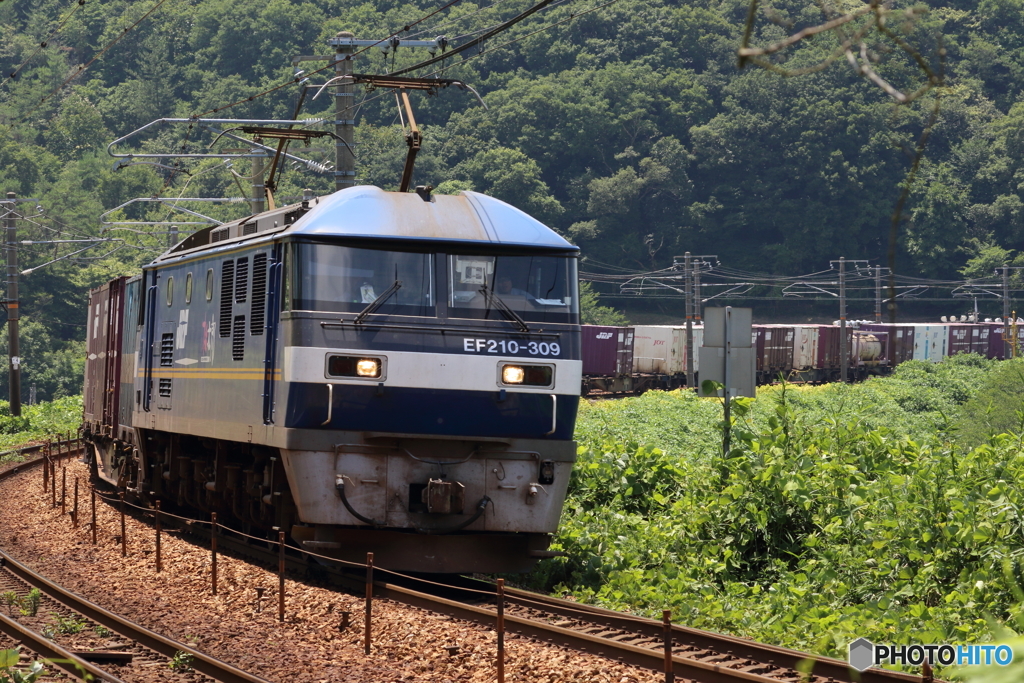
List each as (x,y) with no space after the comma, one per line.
(372,371)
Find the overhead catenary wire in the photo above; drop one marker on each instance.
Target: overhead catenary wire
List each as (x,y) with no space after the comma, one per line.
(14,74)
(304,76)
(456,20)
(83,67)
(476,41)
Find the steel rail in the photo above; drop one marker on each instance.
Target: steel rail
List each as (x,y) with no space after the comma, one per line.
(54,654)
(201,662)
(827,667)
(763,655)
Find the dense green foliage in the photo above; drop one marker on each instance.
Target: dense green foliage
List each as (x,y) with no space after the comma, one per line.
(38,423)
(630,129)
(841,511)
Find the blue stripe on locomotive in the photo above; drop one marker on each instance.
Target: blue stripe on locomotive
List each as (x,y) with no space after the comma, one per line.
(431,411)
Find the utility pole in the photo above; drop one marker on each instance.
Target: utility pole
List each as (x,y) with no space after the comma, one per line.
(14,367)
(344,125)
(1006,308)
(878,294)
(696,295)
(844,351)
(345,45)
(259,191)
(689,320)
(172,236)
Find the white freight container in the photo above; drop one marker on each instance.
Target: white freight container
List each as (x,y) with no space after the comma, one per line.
(931,341)
(661,349)
(805,347)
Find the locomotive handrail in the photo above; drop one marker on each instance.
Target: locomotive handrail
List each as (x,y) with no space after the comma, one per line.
(444,329)
(147,392)
(273,321)
(330,406)
(441,462)
(554,414)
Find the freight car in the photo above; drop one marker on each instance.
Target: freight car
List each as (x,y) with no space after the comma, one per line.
(369,371)
(800,353)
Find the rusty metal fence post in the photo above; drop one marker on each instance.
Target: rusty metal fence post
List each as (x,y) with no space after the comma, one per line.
(156,514)
(53,482)
(501,630)
(280,576)
(124,536)
(666,619)
(46,474)
(93,491)
(74,509)
(63,490)
(369,603)
(213,550)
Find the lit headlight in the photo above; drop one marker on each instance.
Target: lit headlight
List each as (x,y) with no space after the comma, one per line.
(355,366)
(368,367)
(513,374)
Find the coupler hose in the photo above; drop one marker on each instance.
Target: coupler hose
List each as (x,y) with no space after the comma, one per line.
(480,507)
(340,486)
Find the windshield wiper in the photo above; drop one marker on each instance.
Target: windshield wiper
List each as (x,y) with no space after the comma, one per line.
(494,300)
(378,302)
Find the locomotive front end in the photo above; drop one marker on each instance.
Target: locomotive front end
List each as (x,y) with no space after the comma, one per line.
(430,374)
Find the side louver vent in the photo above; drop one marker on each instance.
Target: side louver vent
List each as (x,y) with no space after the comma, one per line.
(227,290)
(167,350)
(259,294)
(219,235)
(241,279)
(249,228)
(165,387)
(238,338)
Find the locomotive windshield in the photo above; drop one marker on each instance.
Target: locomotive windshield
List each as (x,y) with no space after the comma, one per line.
(334,278)
(537,288)
(343,279)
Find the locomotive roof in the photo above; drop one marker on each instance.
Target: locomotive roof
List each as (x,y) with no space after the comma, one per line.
(368,211)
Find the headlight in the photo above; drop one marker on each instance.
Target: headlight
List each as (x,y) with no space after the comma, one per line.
(513,374)
(354,366)
(368,367)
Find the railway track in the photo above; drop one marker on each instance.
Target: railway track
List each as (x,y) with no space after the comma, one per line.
(694,655)
(123,642)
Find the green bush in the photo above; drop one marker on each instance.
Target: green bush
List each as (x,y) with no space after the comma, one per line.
(841,511)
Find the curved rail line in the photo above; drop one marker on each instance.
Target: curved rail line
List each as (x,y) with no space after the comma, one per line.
(52,653)
(201,662)
(697,655)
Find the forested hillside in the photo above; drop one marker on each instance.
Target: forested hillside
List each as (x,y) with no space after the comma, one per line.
(630,128)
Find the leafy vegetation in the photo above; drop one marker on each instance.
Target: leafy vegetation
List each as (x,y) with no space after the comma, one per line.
(8,672)
(628,128)
(841,511)
(38,423)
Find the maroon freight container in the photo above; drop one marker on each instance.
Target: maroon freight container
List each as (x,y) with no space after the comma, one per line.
(103,360)
(897,341)
(979,338)
(775,348)
(828,346)
(757,341)
(959,339)
(996,344)
(607,350)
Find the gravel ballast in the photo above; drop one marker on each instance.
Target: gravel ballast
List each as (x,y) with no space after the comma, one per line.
(409,644)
